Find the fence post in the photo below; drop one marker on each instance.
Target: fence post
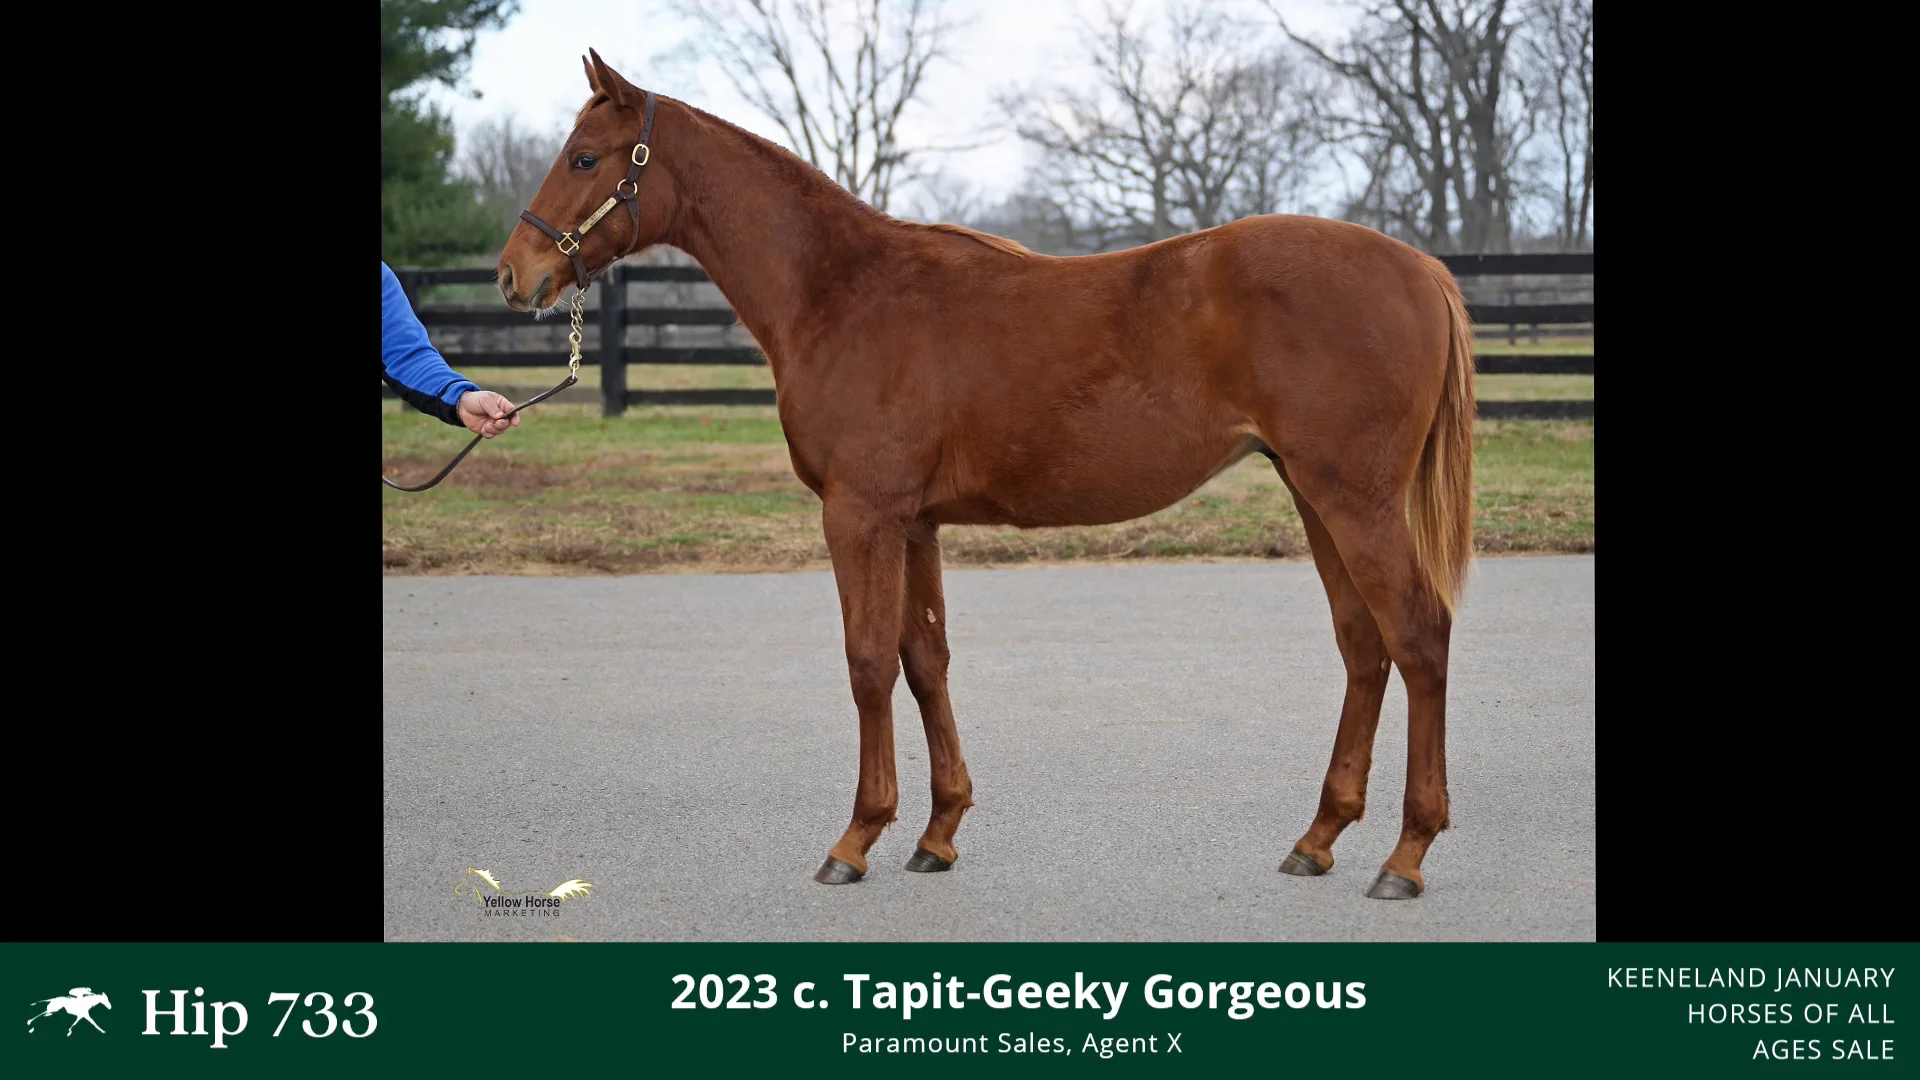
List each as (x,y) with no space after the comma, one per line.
(613,342)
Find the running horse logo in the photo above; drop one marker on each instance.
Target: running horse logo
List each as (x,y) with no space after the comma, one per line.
(566,890)
(78,1001)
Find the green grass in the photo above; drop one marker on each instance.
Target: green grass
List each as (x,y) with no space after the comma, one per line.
(639,376)
(1491,345)
(712,489)
(1532,387)
(1533,483)
(555,433)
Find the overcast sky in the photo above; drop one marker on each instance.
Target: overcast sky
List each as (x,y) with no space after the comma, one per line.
(532,68)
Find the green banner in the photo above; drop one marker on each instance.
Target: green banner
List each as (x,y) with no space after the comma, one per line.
(571,1009)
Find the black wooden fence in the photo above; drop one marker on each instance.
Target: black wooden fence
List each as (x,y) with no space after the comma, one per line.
(614,316)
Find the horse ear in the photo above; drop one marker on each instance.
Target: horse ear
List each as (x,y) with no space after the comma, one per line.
(593,81)
(610,82)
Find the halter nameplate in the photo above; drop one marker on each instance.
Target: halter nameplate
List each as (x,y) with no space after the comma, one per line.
(598,214)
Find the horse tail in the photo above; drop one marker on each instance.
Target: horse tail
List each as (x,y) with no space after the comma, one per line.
(1440,502)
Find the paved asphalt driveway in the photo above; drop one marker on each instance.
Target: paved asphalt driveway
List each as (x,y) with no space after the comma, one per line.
(1146,743)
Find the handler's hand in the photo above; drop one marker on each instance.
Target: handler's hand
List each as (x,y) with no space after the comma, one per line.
(482,410)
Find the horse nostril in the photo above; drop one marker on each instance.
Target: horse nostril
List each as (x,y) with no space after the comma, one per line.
(506,280)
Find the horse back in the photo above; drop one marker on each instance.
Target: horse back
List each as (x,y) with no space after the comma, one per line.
(1037,390)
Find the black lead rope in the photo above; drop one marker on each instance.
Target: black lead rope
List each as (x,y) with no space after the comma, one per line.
(442,474)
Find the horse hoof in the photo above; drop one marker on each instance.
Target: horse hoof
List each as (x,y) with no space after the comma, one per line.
(1391,886)
(1301,865)
(835,872)
(926,862)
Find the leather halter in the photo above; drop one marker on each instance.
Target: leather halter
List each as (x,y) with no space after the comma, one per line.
(626,191)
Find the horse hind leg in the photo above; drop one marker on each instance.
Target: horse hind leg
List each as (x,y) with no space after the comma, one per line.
(1376,546)
(1343,794)
(924,657)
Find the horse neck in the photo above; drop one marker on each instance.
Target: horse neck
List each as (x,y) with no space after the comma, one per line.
(769,229)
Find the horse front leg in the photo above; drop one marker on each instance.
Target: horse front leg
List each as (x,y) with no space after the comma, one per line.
(868,547)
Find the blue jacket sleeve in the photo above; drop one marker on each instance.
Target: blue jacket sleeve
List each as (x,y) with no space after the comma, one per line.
(408,361)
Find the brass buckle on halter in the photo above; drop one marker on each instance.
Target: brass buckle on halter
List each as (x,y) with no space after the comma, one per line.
(568,251)
(642,153)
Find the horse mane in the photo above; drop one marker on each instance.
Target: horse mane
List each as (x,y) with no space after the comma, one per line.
(997,243)
(797,171)
(805,174)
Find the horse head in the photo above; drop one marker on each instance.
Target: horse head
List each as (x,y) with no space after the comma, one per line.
(597,190)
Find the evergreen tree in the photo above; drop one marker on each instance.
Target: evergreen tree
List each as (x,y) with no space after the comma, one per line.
(426,216)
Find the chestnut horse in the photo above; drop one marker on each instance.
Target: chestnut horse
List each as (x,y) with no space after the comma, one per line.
(930,375)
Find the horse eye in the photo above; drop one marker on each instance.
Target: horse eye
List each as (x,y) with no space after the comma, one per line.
(585,161)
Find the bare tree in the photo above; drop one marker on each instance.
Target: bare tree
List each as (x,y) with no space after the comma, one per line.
(1435,102)
(943,196)
(835,75)
(1279,138)
(1038,219)
(506,162)
(1560,44)
(1177,134)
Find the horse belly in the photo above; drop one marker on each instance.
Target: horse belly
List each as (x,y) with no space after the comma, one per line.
(1087,478)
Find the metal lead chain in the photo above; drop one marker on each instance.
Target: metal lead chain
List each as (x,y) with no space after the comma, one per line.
(573,339)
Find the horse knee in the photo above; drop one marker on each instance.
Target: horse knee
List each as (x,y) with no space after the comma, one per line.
(872,674)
